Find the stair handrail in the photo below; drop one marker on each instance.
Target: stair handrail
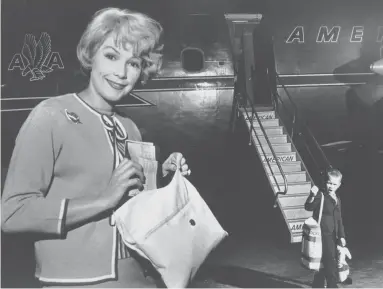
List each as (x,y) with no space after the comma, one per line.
(263,151)
(308,148)
(296,116)
(276,95)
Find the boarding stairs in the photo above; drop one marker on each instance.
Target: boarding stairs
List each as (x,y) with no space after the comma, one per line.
(291,186)
(291,157)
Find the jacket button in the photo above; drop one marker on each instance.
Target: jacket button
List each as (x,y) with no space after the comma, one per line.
(192,222)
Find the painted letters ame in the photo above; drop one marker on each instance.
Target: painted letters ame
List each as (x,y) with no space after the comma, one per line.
(327,34)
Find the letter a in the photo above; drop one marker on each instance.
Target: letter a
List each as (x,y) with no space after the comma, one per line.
(297,34)
(55,60)
(17,61)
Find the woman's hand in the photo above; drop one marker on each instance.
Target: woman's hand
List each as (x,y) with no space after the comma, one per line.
(127,176)
(173,161)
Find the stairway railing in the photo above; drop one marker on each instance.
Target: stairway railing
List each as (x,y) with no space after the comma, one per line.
(300,128)
(253,131)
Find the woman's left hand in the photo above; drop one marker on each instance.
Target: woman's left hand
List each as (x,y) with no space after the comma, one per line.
(173,161)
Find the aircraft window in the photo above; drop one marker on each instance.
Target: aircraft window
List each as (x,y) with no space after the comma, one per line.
(192,59)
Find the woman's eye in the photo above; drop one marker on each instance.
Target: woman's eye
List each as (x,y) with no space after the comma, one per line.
(111,56)
(135,64)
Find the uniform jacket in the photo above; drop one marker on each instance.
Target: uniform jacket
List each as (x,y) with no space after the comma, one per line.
(63,151)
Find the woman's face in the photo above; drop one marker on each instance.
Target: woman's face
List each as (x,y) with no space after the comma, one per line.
(115,71)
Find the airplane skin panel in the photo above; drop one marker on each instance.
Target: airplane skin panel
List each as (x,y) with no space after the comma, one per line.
(323,51)
(326,36)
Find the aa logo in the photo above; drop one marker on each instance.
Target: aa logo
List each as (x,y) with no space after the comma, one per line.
(36,58)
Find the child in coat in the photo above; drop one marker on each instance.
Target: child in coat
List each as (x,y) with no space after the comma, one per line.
(331,227)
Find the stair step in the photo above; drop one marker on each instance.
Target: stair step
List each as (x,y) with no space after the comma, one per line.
(293,177)
(282,157)
(292,200)
(294,188)
(264,108)
(274,139)
(286,167)
(296,237)
(278,148)
(296,213)
(268,114)
(271,130)
(265,122)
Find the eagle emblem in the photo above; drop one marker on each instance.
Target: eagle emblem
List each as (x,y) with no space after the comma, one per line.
(72,117)
(36,55)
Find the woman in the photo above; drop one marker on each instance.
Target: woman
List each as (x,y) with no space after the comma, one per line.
(68,172)
(331,227)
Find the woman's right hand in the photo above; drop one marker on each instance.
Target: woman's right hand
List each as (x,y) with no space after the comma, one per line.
(127,176)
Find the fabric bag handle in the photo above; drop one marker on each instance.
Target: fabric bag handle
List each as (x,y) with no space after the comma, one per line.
(321,208)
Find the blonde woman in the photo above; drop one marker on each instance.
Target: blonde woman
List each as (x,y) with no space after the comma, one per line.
(68,172)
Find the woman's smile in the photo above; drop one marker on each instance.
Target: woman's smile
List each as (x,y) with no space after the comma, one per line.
(115,85)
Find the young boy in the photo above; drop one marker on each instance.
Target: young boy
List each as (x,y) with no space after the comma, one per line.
(331,227)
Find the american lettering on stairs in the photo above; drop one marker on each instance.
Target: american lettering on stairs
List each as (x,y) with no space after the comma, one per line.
(261,116)
(287,158)
(296,227)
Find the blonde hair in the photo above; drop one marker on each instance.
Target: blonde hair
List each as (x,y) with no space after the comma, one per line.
(137,29)
(334,173)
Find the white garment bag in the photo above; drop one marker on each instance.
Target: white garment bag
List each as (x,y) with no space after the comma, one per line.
(172,227)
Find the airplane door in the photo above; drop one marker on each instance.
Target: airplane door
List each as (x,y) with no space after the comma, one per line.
(255,66)
(253,54)
(263,63)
